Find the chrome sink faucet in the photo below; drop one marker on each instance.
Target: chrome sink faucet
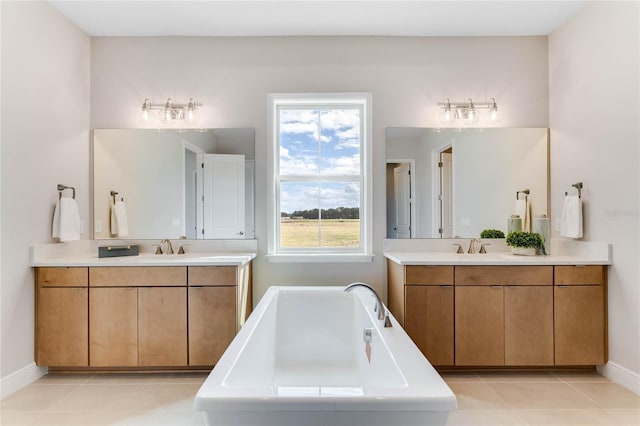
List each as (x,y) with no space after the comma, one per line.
(472,245)
(169,246)
(383,315)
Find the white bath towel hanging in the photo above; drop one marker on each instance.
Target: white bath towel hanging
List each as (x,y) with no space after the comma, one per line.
(66,220)
(55,227)
(571,218)
(119,222)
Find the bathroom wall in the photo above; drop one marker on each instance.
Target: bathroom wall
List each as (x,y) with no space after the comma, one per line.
(594,117)
(232,77)
(45,141)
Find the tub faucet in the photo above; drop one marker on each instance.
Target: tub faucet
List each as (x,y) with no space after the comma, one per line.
(383,315)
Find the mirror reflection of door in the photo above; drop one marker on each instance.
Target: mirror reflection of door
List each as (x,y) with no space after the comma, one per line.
(192,190)
(224,196)
(400,218)
(445,197)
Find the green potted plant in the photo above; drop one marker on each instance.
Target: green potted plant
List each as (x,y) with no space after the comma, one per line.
(492,233)
(524,243)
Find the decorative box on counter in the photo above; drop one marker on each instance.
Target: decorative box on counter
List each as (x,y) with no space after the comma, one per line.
(115,251)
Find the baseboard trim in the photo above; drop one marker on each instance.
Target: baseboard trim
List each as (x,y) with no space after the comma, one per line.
(21,378)
(621,375)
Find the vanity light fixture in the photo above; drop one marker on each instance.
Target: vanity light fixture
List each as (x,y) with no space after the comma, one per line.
(171,113)
(466,113)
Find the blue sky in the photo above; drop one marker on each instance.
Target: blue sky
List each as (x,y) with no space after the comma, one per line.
(319,141)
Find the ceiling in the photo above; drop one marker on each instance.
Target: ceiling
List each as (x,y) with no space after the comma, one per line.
(318,17)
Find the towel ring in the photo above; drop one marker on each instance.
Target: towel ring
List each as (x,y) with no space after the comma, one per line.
(63,187)
(524,191)
(577,186)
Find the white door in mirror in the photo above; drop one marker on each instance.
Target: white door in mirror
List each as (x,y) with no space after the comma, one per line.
(224,196)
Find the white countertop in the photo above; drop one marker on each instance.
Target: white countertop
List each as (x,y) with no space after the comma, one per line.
(147,259)
(199,253)
(501,258)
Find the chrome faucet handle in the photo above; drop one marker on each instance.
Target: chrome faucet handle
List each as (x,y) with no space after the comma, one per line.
(459,251)
(483,250)
(387,321)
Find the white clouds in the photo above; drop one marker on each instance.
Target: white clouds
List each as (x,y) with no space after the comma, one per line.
(344,124)
(338,154)
(341,165)
(307,196)
(337,119)
(297,165)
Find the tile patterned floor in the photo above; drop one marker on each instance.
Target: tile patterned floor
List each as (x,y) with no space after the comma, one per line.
(544,398)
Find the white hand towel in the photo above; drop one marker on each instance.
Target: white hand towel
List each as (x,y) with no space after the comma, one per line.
(68,218)
(523,209)
(119,223)
(113,228)
(55,228)
(571,219)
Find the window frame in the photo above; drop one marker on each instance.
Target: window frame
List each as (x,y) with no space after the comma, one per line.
(320,254)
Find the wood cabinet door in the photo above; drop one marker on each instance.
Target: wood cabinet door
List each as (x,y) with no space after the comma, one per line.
(528,325)
(113,327)
(62,330)
(212,323)
(579,323)
(162,326)
(479,316)
(429,321)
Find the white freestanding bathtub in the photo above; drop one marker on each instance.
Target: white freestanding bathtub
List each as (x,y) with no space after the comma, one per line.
(300,360)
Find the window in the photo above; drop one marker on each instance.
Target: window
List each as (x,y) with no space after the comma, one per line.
(320,163)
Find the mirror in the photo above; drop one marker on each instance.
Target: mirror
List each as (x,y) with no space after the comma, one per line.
(197,183)
(447,183)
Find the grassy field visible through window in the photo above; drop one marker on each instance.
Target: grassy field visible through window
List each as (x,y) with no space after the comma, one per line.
(306,233)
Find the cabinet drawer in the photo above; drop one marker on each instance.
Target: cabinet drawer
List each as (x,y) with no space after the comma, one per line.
(213,275)
(63,277)
(504,275)
(577,275)
(139,276)
(425,274)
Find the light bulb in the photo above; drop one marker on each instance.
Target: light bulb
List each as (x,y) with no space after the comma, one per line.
(493,110)
(448,114)
(168,113)
(146,114)
(193,114)
(471,116)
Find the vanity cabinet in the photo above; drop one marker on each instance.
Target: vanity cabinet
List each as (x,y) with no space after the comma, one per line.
(580,319)
(479,325)
(62,304)
(212,312)
(113,323)
(138,316)
(162,326)
(427,308)
(502,315)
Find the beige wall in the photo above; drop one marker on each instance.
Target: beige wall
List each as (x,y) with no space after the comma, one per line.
(45,141)
(594,118)
(232,77)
